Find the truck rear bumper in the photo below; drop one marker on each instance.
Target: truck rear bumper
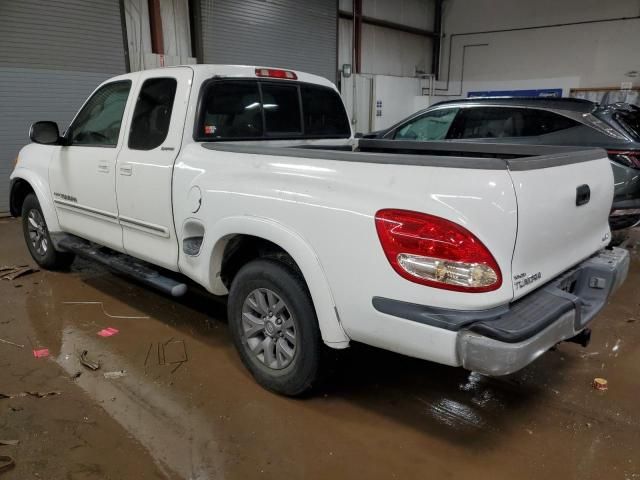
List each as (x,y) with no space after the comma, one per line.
(504,339)
(556,312)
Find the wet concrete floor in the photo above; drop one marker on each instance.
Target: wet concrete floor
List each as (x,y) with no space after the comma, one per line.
(179,404)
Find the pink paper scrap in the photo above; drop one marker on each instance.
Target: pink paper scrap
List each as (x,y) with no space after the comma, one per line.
(43,352)
(107,332)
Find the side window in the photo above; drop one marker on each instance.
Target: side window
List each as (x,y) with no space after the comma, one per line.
(498,122)
(430,126)
(99,121)
(541,122)
(231,110)
(489,122)
(281,109)
(323,112)
(152,115)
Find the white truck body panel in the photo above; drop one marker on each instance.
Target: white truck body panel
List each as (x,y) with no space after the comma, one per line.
(552,233)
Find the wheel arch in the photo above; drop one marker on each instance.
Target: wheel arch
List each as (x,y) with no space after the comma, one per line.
(294,245)
(24,182)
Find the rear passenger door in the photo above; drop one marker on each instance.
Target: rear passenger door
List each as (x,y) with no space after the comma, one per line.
(145,165)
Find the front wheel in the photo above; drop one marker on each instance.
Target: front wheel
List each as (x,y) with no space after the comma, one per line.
(274,327)
(36,235)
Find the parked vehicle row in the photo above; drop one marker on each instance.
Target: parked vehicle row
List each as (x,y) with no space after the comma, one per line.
(248,182)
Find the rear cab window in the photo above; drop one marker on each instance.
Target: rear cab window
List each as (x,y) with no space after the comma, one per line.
(247,109)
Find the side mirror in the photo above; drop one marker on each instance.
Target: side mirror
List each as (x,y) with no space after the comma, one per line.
(46,133)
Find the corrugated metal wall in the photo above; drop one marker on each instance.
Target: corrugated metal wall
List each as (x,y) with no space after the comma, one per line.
(295,34)
(52,55)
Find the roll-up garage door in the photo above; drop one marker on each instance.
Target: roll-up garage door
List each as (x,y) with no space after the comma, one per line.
(295,34)
(52,55)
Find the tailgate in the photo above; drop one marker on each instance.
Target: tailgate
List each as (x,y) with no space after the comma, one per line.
(563,207)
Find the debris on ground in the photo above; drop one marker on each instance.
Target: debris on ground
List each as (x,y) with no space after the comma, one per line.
(148,353)
(12,272)
(600,384)
(6,463)
(76,375)
(2,340)
(125,317)
(29,394)
(589,354)
(43,394)
(41,353)
(87,362)
(172,352)
(9,442)
(108,332)
(116,374)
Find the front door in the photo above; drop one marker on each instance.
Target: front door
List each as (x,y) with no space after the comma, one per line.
(82,174)
(145,165)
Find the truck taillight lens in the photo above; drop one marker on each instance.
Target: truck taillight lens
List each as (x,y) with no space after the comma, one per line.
(276,73)
(436,252)
(628,158)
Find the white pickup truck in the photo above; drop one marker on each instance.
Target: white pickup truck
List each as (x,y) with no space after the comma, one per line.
(248,182)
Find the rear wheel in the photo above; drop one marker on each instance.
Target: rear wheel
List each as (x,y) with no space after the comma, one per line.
(36,235)
(274,327)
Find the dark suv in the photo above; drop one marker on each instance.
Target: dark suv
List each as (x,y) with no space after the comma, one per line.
(541,121)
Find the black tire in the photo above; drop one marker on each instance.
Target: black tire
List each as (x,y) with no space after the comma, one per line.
(302,373)
(42,251)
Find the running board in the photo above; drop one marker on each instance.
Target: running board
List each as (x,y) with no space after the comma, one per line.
(124,264)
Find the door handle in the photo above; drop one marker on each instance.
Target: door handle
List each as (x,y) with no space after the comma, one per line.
(126,169)
(583,195)
(103,166)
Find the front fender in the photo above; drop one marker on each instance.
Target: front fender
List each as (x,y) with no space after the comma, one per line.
(40,187)
(216,238)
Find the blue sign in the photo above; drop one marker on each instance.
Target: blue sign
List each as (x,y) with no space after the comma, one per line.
(544,92)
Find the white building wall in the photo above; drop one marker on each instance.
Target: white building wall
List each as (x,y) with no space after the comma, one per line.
(585,55)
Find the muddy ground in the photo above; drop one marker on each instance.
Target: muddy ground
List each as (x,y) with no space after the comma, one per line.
(180,404)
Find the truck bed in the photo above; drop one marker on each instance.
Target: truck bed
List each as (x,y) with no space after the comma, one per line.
(477,156)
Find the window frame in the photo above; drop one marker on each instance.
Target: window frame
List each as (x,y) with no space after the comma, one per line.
(68,132)
(135,104)
(200,111)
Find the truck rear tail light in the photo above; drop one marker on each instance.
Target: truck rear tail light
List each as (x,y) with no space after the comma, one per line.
(275,73)
(436,252)
(628,158)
